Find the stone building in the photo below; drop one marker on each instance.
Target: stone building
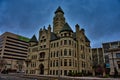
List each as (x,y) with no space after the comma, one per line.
(13,51)
(60,51)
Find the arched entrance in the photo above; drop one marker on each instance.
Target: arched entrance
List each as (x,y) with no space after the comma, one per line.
(41,69)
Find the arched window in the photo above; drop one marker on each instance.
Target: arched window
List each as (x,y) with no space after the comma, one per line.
(41,66)
(42,55)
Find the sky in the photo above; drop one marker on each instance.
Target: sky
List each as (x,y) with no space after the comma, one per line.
(99,18)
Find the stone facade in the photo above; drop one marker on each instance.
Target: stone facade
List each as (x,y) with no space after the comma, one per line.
(61,51)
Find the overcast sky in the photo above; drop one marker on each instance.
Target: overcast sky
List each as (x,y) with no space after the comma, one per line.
(99,18)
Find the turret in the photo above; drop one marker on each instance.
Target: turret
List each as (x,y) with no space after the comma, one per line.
(33,41)
(58,20)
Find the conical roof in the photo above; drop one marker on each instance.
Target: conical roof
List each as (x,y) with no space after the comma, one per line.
(66,28)
(59,9)
(33,39)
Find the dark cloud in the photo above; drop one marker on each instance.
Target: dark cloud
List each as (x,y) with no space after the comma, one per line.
(100,18)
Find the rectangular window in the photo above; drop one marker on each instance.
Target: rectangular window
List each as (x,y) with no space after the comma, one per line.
(50,72)
(51,64)
(57,54)
(57,44)
(65,72)
(61,42)
(65,42)
(61,52)
(61,62)
(56,72)
(56,62)
(53,72)
(65,62)
(117,55)
(69,52)
(69,62)
(61,72)
(69,42)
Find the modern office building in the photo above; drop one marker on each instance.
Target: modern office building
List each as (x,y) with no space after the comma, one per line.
(112,56)
(13,51)
(60,51)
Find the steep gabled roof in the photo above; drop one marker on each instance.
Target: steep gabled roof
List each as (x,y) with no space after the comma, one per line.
(66,27)
(86,39)
(59,9)
(53,36)
(33,39)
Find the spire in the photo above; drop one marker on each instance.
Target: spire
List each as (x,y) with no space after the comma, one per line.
(33,39)
(59,9)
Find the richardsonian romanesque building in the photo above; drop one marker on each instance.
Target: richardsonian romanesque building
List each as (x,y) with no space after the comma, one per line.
(59,51)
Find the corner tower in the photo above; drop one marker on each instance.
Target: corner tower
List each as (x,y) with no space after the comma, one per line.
(58,20)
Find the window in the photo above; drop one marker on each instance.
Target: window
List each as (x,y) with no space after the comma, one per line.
(50,72)
(65,34)
(56,62)
(44,40)
(65,52)
(69,62)
(44,46)
(61,35)
(69,52)
(69,42)
(61,42)
(61,62)
(50,63)
(57,54)
(56,72)
(65,42)
(51,54)
(54,44)
(119,66)
(117,55)
(57,44)
(61,52)
(65,72)
(65,62)
(61,72)
(53,72)
(54,54)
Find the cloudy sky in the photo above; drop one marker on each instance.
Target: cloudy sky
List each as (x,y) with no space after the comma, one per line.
(99,18)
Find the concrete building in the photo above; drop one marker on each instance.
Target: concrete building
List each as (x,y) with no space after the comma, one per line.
(112,56)
(13,51)
(60,51)
(97,56)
